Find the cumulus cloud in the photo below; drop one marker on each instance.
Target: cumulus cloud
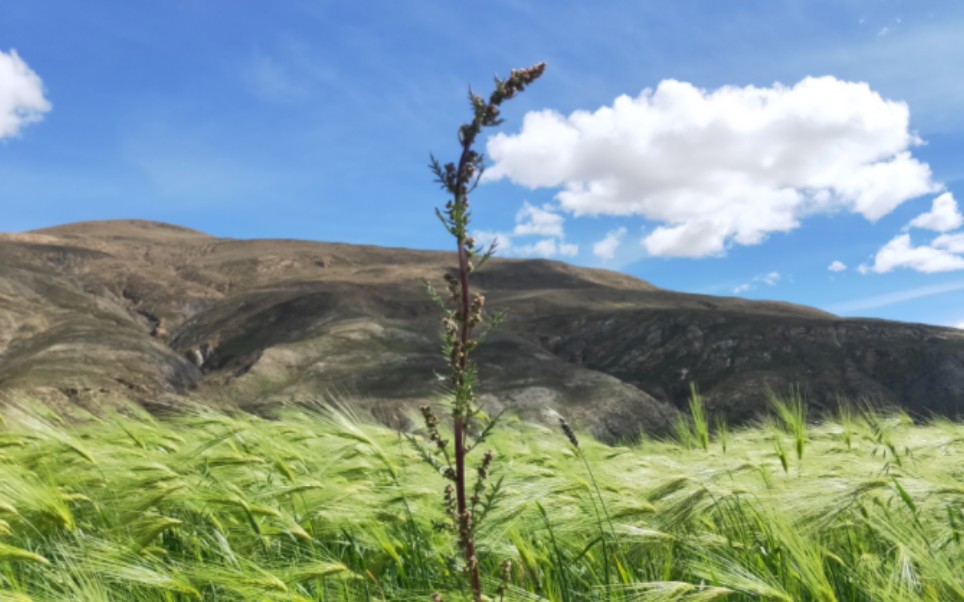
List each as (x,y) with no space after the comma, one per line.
(901,253)
(945,253)
(506,246)
(531,221)
(952,243)
(837,266)
(22,98)
(486,238)
(605,249)
(943,216)
(539,221)
(547,247)
(723,167)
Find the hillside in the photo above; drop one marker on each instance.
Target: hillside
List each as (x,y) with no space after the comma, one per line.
(104,312)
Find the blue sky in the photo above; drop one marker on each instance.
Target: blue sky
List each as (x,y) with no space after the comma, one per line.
(756,142)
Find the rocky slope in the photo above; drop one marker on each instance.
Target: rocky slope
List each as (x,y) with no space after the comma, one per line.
(103,312)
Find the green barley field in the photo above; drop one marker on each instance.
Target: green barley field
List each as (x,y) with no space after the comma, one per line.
(318,505)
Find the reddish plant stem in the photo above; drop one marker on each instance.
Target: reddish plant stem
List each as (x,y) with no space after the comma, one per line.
(461,364)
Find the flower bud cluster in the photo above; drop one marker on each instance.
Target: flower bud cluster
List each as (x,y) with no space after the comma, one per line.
(475,311)
(486,462)
(483,475)
(517,82)
(453,286)
(465,524)
(431,425)
(449,503)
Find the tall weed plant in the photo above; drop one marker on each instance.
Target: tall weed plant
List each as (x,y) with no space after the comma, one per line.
(462,315)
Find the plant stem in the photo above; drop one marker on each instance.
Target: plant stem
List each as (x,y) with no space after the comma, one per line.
(461,409)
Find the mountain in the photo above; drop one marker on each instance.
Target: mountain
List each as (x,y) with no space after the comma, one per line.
(99,313)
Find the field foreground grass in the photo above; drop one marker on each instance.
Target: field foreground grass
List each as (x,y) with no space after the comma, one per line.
(320,506)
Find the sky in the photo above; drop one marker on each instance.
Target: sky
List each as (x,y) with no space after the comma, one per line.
(808,151)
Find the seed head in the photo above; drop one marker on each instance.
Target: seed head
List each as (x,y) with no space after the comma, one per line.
(568,432)
(486,462)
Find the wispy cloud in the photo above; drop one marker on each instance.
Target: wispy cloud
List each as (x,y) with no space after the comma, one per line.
(273,81)
(292,73)
(186,167)
(768,279)
(887,299)
(919,60)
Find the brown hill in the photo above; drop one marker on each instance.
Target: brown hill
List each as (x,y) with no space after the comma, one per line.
(101,312)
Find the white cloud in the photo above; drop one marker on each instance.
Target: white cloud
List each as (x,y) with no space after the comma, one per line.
(21,95)
(943,216)
(945,253)
(769,279)
(837,266)
(547,247)
(959,325)
(952,243)
(605,249)
(730,166)
(485,238)
(531,221)
(900,253)
(568,249)
(536,221)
